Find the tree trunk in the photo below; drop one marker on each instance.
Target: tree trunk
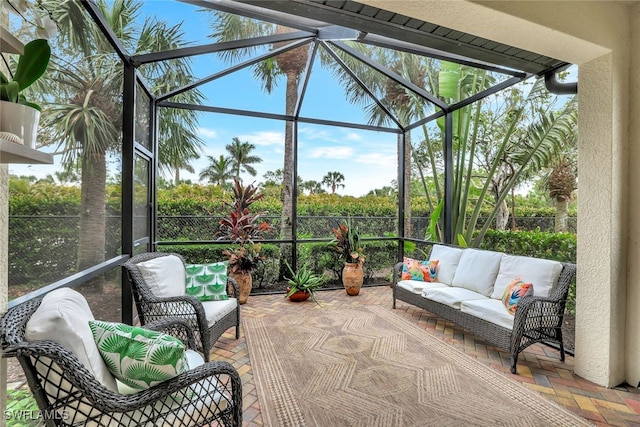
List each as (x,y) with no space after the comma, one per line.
(502,216)
(407,182)
(92,241)
(287,173)
(562,216)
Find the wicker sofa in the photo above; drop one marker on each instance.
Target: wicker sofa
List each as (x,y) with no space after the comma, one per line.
(468,291)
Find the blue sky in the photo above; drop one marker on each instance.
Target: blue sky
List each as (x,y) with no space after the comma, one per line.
(366,159)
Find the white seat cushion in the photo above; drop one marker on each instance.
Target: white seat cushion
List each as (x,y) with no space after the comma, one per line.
(451,296)
(491,310)
(416,286)
(63,317)
(164,275)
(542,273)
(477,271)
(199,411)
(448,258)
(216,310)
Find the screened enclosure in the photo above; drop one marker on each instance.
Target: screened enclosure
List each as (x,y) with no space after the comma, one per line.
(144,96)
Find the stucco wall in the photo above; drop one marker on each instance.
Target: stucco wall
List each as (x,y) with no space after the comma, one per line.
(632,353)
(597,36)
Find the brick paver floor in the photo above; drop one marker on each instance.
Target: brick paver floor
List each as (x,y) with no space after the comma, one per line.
(539,367)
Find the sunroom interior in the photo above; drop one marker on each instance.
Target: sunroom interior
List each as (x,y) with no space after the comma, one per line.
(331,38)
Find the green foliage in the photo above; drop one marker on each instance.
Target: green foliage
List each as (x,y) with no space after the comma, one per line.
(304,280)
(21,401)
(31,66)
(557,246)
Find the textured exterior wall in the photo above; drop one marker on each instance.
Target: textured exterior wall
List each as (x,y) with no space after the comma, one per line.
(596,35)
(632,352)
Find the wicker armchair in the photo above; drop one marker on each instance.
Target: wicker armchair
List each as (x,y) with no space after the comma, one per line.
(152,307)
(68,393)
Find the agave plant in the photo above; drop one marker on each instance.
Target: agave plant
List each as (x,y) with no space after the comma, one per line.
(304,280)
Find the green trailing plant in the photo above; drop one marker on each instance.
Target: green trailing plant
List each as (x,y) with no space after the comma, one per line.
(304,280)
(31,66)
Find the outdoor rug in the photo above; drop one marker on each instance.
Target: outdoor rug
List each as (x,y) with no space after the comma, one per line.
(369,367)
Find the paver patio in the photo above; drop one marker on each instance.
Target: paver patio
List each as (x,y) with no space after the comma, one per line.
(539,367)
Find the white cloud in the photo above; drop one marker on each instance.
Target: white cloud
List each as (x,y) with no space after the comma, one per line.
(331,152)
(207,133)
(264,138)
(377,159)
(352,136)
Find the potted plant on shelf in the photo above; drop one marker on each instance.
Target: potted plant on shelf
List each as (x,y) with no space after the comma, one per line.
(18,117)
(303,283)
(347,243)
(243,227)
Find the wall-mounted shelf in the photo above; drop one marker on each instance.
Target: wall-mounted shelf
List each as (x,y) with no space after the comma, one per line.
(10,152)
(9,43)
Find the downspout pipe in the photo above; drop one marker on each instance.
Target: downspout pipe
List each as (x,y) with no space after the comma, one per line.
(559,88)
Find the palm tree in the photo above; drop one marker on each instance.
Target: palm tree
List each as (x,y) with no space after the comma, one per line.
(241,158)
(333,180)
(313,187)
(219,171)
(228,27)
(85,90)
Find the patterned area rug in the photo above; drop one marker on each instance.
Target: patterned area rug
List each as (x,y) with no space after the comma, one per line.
(368,367)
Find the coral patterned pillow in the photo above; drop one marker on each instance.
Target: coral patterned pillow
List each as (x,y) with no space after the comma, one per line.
(423,271)
(515,291)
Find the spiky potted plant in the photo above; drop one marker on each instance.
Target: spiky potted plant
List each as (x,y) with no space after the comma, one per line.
(303,283)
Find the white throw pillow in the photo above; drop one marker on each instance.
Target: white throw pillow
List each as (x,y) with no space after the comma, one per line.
(542,273)
(448,258)
(164,275)
(477,270)
(63,317)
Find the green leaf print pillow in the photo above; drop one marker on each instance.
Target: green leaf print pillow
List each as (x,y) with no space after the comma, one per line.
(139,358)
(207,282)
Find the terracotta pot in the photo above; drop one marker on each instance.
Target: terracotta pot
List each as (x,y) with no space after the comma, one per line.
(299,295)
(352,277)
(245,282)
(20,120)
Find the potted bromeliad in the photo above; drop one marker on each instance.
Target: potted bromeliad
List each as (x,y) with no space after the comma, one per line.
(18,117)
(243,227)
(303,284)
(347,243)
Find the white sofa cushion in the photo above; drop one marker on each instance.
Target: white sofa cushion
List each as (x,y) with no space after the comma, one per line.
(448,258)
(489,309)
(216,310)
(477,271)
(542,273)
(63,317)
(451,296)
(165,276)
(416,286)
